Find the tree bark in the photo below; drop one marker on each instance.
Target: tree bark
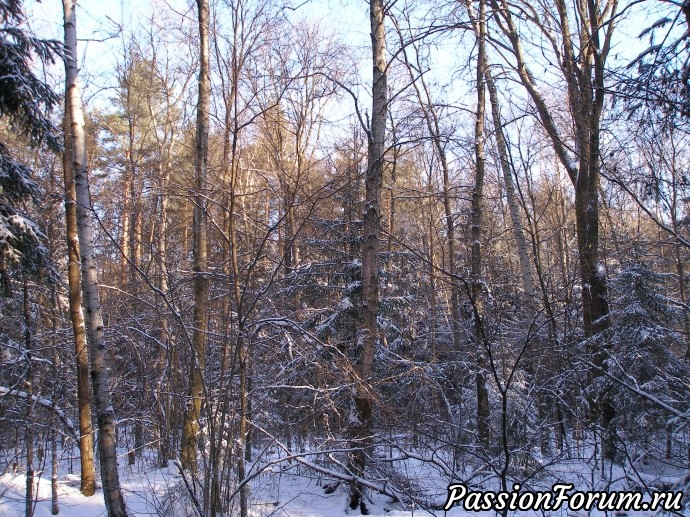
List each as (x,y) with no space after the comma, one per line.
(511,197)
(75,160)
(54,501)
(29,424)
(362,413)
(483,408)
(582,66)
(197,365)
(88,472)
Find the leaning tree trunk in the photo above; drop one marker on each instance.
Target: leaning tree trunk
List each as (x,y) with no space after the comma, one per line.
(362,417)
(75,161)
(511,196)
(196,381)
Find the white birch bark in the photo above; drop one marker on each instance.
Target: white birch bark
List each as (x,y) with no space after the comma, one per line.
(76,143)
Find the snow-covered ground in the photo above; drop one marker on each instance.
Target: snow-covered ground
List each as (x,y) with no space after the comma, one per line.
(296,491)
(149,493)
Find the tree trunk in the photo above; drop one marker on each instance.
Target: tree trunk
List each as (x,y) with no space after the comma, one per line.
(54,502)
(162,396)
(242,438)
(582,66)
(483,409)
(75,151)
(88,472)
(362,413)
(196,382)
(513,208)
(29,424)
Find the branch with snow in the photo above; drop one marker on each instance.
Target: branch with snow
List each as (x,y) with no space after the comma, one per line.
(301,458)
(46,403)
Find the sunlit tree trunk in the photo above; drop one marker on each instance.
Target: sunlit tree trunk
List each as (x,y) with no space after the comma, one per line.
(75,151)
(88,473)
(196,381)
(511,196)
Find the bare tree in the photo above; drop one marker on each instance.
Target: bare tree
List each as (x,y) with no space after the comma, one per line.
(88,473)
(75,160)
(198,360)
(367,331)
(476,216)
(581,56)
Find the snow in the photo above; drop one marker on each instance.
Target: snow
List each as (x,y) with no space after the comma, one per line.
(296,487)
(281,493)
(72,502)
(15,228)
(174,468)
(69,424)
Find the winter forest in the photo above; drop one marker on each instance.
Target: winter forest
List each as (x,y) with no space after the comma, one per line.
(327,257)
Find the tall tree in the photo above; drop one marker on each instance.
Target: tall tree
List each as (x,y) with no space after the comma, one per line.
(75,161)
(476,217)
(581,56)
(88,473)
(198,361)
(367,331)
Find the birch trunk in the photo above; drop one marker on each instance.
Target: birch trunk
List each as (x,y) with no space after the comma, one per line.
(162,398)
(75,150)
(88,472)
(511,197)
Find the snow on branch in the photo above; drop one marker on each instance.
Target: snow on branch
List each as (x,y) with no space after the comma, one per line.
(301,458)
(46,403)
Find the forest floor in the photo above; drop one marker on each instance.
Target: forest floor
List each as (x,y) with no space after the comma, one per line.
(155,492)
(294,491)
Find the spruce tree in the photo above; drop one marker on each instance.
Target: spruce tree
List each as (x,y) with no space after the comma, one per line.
(25,103)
